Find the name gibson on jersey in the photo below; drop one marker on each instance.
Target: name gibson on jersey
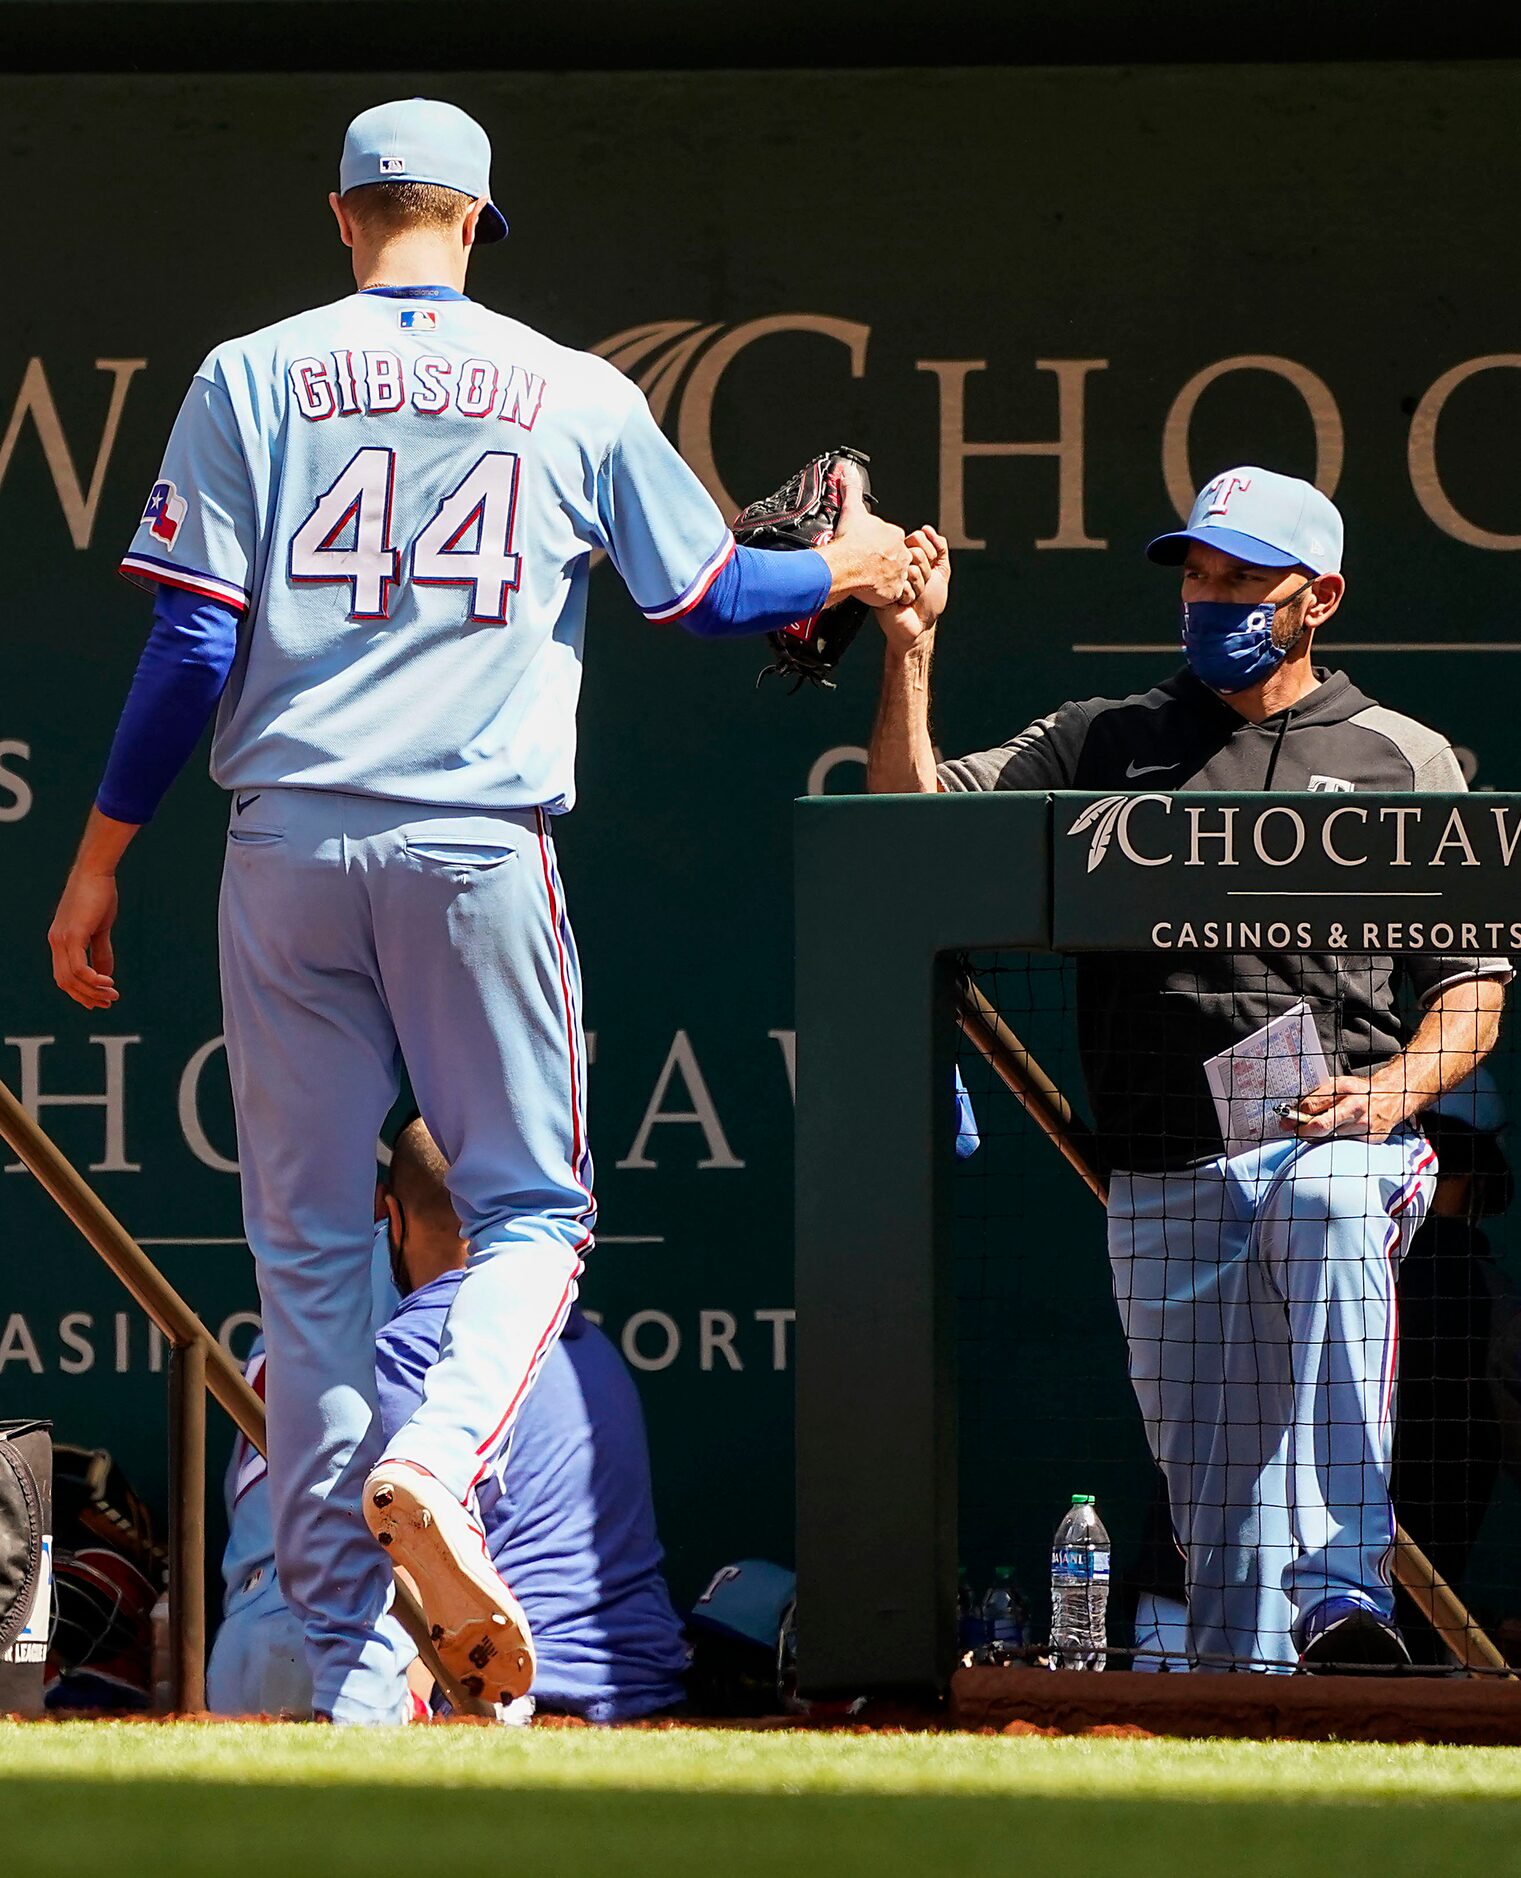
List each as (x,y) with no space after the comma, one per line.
(377,383)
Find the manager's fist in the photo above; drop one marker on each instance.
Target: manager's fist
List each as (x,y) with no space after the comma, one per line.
(910,620)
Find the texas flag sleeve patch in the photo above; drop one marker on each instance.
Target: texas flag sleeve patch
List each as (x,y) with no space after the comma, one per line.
(164,512)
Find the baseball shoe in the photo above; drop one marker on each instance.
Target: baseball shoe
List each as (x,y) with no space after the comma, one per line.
(477,1625)
(1358,1644)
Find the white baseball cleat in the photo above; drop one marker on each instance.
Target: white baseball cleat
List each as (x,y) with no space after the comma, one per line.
(477,1625)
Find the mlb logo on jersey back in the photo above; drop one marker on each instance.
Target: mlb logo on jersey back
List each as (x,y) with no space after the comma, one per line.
(164,512)
(418,319)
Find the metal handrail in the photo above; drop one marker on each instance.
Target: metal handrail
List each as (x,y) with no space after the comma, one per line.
(197,1363)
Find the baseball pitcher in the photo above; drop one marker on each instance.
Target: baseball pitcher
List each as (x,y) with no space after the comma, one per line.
(369,546)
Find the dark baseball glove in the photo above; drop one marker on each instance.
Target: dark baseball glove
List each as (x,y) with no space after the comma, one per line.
(94,1504)
(108,1569)
(804,513)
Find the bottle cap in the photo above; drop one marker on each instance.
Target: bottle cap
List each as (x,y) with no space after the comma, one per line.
(1082,1499)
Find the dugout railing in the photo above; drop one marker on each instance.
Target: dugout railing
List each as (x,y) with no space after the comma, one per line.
(198,1366)
(892,894)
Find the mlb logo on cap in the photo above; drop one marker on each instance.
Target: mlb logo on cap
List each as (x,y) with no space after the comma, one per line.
(425,141)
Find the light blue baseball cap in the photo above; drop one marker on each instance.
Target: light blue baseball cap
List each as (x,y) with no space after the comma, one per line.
(421,140)
(1259,516)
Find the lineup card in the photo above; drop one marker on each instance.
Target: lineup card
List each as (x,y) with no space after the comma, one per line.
(1279,1063)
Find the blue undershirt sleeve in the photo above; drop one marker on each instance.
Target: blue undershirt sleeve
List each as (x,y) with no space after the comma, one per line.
(173,694)
(758,590)
(400,1371)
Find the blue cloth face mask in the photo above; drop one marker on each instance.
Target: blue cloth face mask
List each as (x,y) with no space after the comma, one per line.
(1229,643)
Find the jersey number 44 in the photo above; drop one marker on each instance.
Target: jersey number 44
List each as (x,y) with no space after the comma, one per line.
(467,542)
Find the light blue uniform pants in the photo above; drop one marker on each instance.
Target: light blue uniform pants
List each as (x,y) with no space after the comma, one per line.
(258,1662)
(357,932)
(1257,1296)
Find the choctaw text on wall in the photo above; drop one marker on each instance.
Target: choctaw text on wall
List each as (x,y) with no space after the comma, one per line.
(1059,397)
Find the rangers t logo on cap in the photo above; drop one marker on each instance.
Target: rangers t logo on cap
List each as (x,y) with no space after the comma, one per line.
(1262,518)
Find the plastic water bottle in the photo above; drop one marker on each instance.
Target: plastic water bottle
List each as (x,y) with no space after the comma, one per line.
(1005,1619)
(1079,1588)
(970,1635)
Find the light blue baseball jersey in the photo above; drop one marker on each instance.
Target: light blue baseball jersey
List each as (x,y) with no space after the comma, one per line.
(404,490)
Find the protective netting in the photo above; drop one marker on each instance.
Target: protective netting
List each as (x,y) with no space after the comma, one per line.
(1318,1339)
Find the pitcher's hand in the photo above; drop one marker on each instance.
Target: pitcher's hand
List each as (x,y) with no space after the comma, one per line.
(868,558)
(80,937)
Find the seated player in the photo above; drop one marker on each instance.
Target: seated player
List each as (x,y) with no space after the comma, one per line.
(1256,1292)
(567,1511)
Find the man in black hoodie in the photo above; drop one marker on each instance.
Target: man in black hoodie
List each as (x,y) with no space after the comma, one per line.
(1256,1290)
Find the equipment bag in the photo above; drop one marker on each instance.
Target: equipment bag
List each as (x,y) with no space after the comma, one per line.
(26,1577)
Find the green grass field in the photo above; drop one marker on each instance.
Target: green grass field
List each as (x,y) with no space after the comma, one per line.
(281,1802)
